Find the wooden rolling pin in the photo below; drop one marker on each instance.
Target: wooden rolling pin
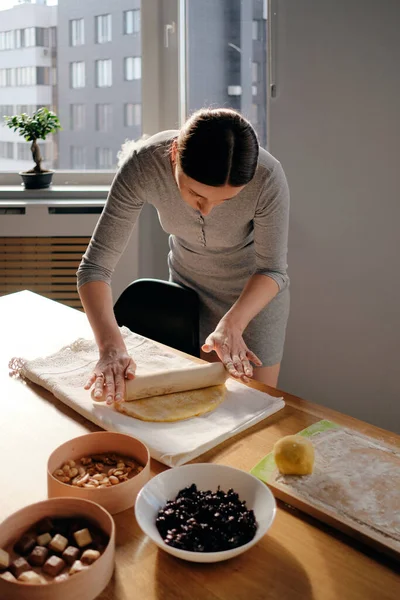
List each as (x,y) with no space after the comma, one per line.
(178,380)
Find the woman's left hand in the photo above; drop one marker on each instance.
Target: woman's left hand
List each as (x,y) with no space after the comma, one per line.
(227,341)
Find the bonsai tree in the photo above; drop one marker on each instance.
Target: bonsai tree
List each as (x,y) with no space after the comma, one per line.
(34,128)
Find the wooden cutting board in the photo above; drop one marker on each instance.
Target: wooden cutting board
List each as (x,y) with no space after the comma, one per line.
(355,485)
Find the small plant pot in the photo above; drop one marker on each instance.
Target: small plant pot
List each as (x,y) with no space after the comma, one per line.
(37,181)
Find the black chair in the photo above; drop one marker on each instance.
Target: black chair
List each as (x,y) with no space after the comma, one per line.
(162,311)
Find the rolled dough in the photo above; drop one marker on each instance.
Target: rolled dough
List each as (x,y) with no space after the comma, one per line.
(195,377)
(177,406)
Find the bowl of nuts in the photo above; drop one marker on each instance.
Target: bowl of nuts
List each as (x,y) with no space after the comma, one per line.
(58,549)
(107,468)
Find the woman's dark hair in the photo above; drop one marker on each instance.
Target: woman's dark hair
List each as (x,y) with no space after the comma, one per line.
(218,147)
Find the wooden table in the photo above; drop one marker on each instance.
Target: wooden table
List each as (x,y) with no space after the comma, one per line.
(299,559)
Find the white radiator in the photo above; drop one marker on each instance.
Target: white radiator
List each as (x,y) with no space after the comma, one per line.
(41,245)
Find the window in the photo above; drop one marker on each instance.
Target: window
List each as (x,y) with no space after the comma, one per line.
(29,37)
(104,117)
(77,74)
(42,37)
(132,68)
(103,73)
(77,116)
(131,21)
(104,158)
(78,157)
(24,108)
(10,77)
(6,110)
(103,29)
(256,30)
(76,32)
(19,38)
(42,76)
(9,40)
(6,150)
(133,115)
(254,72)
(25,76)
(24,151)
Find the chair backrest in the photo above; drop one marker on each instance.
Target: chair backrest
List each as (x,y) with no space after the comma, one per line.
(162,311)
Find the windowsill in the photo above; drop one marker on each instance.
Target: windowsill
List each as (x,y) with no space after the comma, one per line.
(91,195)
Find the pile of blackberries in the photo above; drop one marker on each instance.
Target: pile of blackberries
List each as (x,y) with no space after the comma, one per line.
(206,521)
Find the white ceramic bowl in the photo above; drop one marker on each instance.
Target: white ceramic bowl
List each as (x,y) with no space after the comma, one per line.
(155,494)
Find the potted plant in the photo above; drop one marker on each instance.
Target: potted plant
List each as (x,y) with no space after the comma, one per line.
(34,128)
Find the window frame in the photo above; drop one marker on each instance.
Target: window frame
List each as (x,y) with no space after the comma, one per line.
(100,19)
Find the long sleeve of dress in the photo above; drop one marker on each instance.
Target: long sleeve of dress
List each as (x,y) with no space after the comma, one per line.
(271,223)
(114,228)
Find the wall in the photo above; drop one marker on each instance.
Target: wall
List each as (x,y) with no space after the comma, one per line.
(335,126)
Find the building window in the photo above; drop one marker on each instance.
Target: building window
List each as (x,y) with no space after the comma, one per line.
(104,73)
(104,158)
(104,117)
(18,38)
(254,72)
(133,115)
(25,76)
(6,149)
(10,77)
(78,157)
(256,30)
(76,32)
(77,116)
(103,29)
(132,68)
(29,37)
(42,76)
(77,74)
(131,21)
(24,151)
(42,37)
(9,40)
(6,110)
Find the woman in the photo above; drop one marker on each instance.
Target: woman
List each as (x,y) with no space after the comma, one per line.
(225,203)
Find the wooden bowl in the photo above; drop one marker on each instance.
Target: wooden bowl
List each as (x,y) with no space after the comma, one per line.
(86,585)
(114,499)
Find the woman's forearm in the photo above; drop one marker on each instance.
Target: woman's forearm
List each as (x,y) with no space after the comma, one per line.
(257,293)
(97,301)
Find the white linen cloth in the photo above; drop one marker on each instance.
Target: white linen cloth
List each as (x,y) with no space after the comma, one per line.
(65,372)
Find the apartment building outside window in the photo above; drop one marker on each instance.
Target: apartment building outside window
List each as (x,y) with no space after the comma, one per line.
(103,29)
(77,74)
(132,68)
(77,32)
(104,117)
(104,73)
(78,117)
(132,115)
(104,158)
(131,22)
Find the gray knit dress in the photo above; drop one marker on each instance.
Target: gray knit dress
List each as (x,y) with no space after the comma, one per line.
(215,255)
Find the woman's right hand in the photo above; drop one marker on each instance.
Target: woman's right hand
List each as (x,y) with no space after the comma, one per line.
(114,366)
